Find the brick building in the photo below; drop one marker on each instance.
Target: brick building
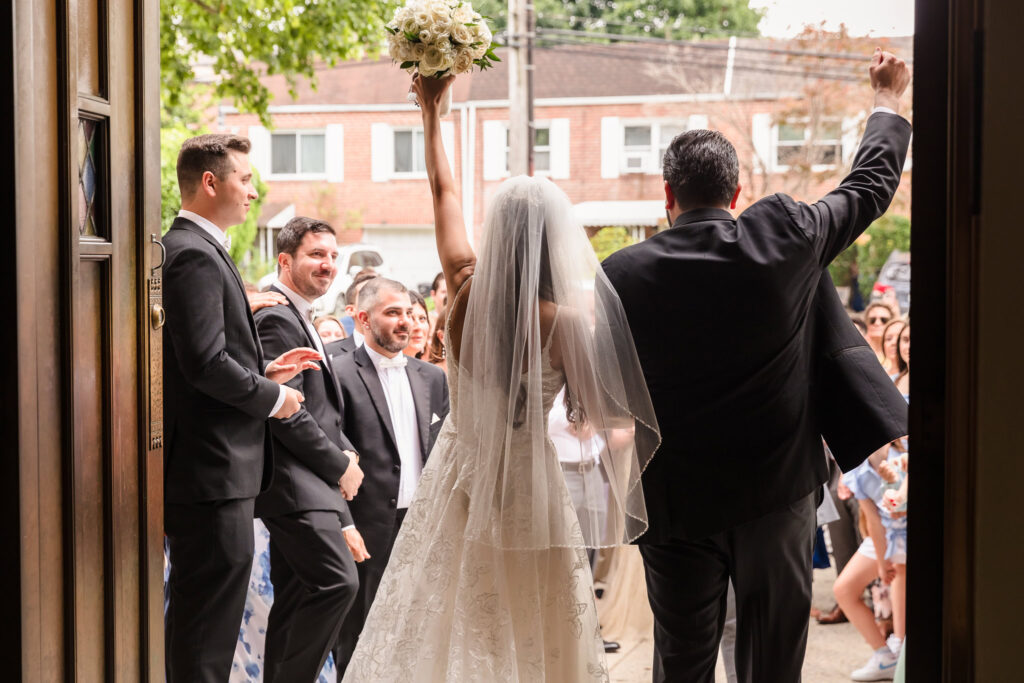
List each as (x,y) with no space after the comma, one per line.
(351,151)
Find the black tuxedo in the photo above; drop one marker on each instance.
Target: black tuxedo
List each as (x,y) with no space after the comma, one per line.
(750,359)
(337,348)
(217,453)
(312,570)
(367,422)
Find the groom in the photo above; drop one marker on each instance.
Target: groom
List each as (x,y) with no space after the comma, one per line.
(394,407)
(743,398)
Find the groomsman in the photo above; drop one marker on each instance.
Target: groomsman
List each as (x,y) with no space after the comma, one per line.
(219,391)
(315,471)
(393,410)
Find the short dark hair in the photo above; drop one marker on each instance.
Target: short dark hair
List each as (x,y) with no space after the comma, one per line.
(357,284)
(701,168)
(206,153)
(369,295)
(859,324)
(294,231)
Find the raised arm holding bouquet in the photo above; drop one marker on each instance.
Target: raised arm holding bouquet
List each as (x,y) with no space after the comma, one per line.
(439,38)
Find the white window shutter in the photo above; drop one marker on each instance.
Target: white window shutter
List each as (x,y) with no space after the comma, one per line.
(259,150)
(382,152)
(559,140)
(495,142)
(697,122)
(334,152)
(761,136)
(611,146)
(448,142)
(851,139)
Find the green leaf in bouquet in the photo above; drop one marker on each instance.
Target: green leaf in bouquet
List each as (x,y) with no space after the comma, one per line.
(390,30)
(412,37)
(408,65)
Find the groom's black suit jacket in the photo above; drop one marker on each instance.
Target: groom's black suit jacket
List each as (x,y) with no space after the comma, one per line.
(748,354)
(308,458)
(216,399)
(367,422)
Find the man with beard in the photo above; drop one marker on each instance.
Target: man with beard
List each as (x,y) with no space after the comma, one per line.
(394,407)
(315,472)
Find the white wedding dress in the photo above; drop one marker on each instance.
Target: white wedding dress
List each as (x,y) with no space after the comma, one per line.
(453,609)
(488,580)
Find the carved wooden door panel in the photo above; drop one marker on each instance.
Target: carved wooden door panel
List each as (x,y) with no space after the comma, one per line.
(112,469)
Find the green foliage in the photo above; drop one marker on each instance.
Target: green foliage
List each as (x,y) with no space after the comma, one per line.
(607,241)
(244,40)
(870,251)
(675,19)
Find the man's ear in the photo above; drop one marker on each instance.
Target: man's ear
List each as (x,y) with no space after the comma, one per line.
(735,197)
(207,184)
(363,318)
(670,198)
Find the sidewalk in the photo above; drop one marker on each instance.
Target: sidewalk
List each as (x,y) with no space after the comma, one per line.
(832,651)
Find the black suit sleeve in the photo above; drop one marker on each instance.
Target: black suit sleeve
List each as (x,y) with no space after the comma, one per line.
(195,310)
(300,433)
(837,219)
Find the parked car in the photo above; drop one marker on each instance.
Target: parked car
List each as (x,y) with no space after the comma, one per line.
(352,258)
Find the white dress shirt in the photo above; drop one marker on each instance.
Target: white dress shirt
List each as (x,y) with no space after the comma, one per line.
(221,237)
(570,448)
(305,309)
(398,393)
(357,338)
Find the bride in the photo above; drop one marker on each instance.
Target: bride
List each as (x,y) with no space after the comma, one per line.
(489,579)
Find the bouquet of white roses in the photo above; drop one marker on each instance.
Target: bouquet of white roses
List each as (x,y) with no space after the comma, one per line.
(440,37)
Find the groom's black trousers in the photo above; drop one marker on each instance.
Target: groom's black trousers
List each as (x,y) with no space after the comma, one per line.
(769,560)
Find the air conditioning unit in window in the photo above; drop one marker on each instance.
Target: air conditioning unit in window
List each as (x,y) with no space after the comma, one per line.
(635,162)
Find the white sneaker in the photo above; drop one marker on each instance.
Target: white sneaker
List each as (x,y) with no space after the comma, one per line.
(895,644)
(880,667)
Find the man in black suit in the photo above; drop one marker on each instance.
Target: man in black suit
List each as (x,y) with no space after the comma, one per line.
(744,384)
(218,393)
(394,408)
(315,471)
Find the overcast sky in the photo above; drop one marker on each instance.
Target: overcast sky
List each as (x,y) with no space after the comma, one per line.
(862,17)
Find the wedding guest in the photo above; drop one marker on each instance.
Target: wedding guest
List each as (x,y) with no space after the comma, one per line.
(876,316)
(394,407)
(439,294)
(858,322)
(419,331)
(437,353)
(890,335)
(903,362)
(351,294)
(220,391)
(315,472)
(329,328)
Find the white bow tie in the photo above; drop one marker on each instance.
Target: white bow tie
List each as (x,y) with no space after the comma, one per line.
(398,361)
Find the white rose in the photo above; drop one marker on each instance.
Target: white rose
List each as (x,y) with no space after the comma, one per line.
(463,15)
(417,51)
(433,61)
(409,25)
(483,33)
(461,34)
(423,17)
(463,62)
(427,36)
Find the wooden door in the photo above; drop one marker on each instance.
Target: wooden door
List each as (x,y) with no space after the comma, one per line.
(89,466)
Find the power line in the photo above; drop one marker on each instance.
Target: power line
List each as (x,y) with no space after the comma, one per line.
(683,61)
(701,45)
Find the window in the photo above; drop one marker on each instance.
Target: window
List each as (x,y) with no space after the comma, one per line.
(409,151)
(797,143)
(644,145)
(298,153)
(541,148)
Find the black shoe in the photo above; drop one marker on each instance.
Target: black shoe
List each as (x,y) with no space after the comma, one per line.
(611,646)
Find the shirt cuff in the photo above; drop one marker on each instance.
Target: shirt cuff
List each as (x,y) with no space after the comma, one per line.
(350,526)
(280,402)
(886,110)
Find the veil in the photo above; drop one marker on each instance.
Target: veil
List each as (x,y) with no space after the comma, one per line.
(534,251)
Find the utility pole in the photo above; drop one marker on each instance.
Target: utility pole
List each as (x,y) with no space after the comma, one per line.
(520,87)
